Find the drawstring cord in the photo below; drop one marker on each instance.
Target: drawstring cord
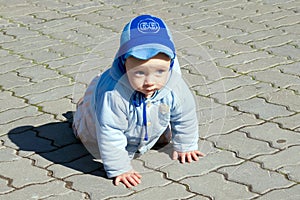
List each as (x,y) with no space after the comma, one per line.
(138,100)
(145,120)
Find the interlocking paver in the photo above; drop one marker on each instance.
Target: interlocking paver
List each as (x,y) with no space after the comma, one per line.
(41,87)
(260,64)
(291,193)
(242,93)
(15,114)
(241,59)
(215,186)
(261,181)
(211,162)
(227,124)
(8,101)
(3,187)
(40,191)
(23,176)
(277,137)
(283,97)
(261,108)
(11,80)
(97,187)
(281,159)
(58,107)
(282,80)
(292,171)
(7,154)
(291,122)
(243,146)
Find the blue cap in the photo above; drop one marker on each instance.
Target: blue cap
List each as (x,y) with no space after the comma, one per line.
(144,37)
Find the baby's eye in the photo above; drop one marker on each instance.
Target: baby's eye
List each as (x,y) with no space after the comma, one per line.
(160,71)
(139,73)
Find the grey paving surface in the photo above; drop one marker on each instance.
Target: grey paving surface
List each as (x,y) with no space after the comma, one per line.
(240,57)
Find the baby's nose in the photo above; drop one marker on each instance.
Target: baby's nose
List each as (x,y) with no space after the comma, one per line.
(149,80)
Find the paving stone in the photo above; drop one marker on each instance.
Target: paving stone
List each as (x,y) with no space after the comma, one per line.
(280,159)
(13,65)
(15,114)
(291,122)
(8,155)
(215,186)
(293,52)
(39,191)
(51,95)
(243,93)
(40,161)
(260,180)
(207,164)
(283,97)
(82,165)
(291,193)
(74,195)
(38,73)
(66,154)
(275,41)
(3,187)
(23,176)
(211,114)
(8,101)
(11,80)
(244,147)
(224,85)
(227,124)
(26,123)
(61,133)
(198,197)
(282,80)
(292,68)
(292,171)
(41,56)
(59,107)
(27,141)
(230,47)
(261,108)
(245,25)
(260,64)
(277,137)
(178,192)
(102,187)
(257,36)
(46,85)
(241,58)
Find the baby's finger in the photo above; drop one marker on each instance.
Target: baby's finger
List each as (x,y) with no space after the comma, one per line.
(199,153)
(126,183)
(183,158)
(132,181)
(175,155)
(195,156)
(189,157)
(117,181)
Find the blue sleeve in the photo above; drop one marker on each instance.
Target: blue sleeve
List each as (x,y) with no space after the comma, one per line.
(112,122)
(184,121)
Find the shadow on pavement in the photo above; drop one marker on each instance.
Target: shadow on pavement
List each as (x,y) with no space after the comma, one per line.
(56,143)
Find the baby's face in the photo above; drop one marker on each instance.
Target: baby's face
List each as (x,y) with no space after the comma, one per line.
(147,76)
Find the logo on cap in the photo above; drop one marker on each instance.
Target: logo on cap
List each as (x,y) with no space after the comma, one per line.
(148,26)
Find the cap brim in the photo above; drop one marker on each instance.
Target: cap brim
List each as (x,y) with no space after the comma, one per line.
(147,51)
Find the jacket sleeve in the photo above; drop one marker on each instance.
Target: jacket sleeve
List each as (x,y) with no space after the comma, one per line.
(111,123)
(184,121)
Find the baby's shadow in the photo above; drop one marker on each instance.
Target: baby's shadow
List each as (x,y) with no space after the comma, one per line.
(56,143)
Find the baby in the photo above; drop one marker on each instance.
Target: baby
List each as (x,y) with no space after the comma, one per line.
(138,102)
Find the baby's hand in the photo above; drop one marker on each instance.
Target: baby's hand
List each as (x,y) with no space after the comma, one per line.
(189,156)
(129,179)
